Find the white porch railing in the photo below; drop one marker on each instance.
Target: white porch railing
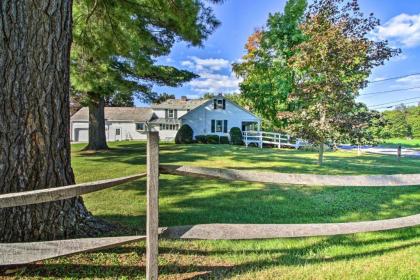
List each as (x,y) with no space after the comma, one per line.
(274,138)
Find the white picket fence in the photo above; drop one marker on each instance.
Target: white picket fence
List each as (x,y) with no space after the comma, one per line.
(262,137)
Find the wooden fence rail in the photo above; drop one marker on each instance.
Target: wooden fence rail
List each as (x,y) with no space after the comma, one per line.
(59,193)
(266,231)
(293,179)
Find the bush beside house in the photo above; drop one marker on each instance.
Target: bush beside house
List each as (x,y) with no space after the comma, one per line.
(235,136)
(213,139)
(184,135)
(224,140)
(201,139)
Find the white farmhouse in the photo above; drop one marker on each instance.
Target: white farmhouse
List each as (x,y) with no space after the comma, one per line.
(204,116)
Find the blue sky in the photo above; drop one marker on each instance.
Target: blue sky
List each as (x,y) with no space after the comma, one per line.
(400,24)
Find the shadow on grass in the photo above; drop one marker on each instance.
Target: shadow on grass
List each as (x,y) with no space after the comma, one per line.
(216,269)
(190,201)
(284,160)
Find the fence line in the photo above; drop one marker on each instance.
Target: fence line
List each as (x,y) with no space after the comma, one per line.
(293,179)
(60,193)
(28,252)
(274,138)
(35,251)
(266,231)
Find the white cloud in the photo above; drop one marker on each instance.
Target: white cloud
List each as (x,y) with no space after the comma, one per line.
(402,30)
(411,81)
(216,83)
(206,64)
(215,75)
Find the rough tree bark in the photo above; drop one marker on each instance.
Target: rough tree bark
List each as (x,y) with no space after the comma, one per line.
(97,137)
(35,38)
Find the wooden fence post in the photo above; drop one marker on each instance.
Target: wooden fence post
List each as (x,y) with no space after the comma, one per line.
(152,205)
(399,152)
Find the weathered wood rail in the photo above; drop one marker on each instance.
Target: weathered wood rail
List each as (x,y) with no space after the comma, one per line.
(23,253)
(60,193)
(267,231)
(293,179)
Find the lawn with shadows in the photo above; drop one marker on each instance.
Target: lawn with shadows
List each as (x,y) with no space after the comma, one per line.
(405,143)
(185,201)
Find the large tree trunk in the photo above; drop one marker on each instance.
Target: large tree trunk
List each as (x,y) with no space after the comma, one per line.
(97,137)
(35,38)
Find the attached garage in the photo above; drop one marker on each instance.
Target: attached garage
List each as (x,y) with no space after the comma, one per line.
(81,134)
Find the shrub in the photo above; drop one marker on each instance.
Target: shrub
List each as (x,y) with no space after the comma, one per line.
(184,135)
(236,136)
(213,139)
(201,139)
(224,140)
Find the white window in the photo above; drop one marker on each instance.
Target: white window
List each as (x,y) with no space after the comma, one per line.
(118,131)
(166,126)
(219,104)
(140,126)
(171,113)
(219,126)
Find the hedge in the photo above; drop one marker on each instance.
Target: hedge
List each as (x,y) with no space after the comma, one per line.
(213,139)
(201,139)
(184,135)
(224,140)
(235,136)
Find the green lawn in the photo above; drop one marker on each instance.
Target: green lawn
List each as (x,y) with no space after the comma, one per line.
(183,200)
(406,143)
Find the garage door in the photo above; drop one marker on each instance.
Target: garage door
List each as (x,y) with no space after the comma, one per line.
(81,134)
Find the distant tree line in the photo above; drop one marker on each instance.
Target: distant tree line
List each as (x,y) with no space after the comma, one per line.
(402,122)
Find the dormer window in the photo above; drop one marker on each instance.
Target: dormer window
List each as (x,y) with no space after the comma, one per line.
(171,113)
(219,103)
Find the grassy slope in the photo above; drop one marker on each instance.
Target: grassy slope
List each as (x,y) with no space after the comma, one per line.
(385,255)
(406,143)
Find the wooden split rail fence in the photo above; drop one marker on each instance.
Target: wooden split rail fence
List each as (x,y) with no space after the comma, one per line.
(29,252)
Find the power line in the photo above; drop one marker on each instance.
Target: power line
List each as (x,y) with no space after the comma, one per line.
(395,101)
(391,106)
(394,78)
(388,91)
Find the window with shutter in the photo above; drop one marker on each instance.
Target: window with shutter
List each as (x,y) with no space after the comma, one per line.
(225,125)
(213,124)
(224,104)
(214,104)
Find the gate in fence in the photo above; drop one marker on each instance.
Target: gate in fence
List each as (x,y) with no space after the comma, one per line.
(29,252)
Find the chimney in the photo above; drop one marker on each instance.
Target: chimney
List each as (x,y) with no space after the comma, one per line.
(183,98)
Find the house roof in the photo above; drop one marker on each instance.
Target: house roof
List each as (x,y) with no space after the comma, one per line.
(180,104)
(207,101)
(165,121)
(136,114)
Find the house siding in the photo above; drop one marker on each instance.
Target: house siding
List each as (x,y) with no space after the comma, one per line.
(200,119)
(127,131)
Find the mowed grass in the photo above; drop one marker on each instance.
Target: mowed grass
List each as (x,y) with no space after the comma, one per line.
(405,143)
(186,201)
